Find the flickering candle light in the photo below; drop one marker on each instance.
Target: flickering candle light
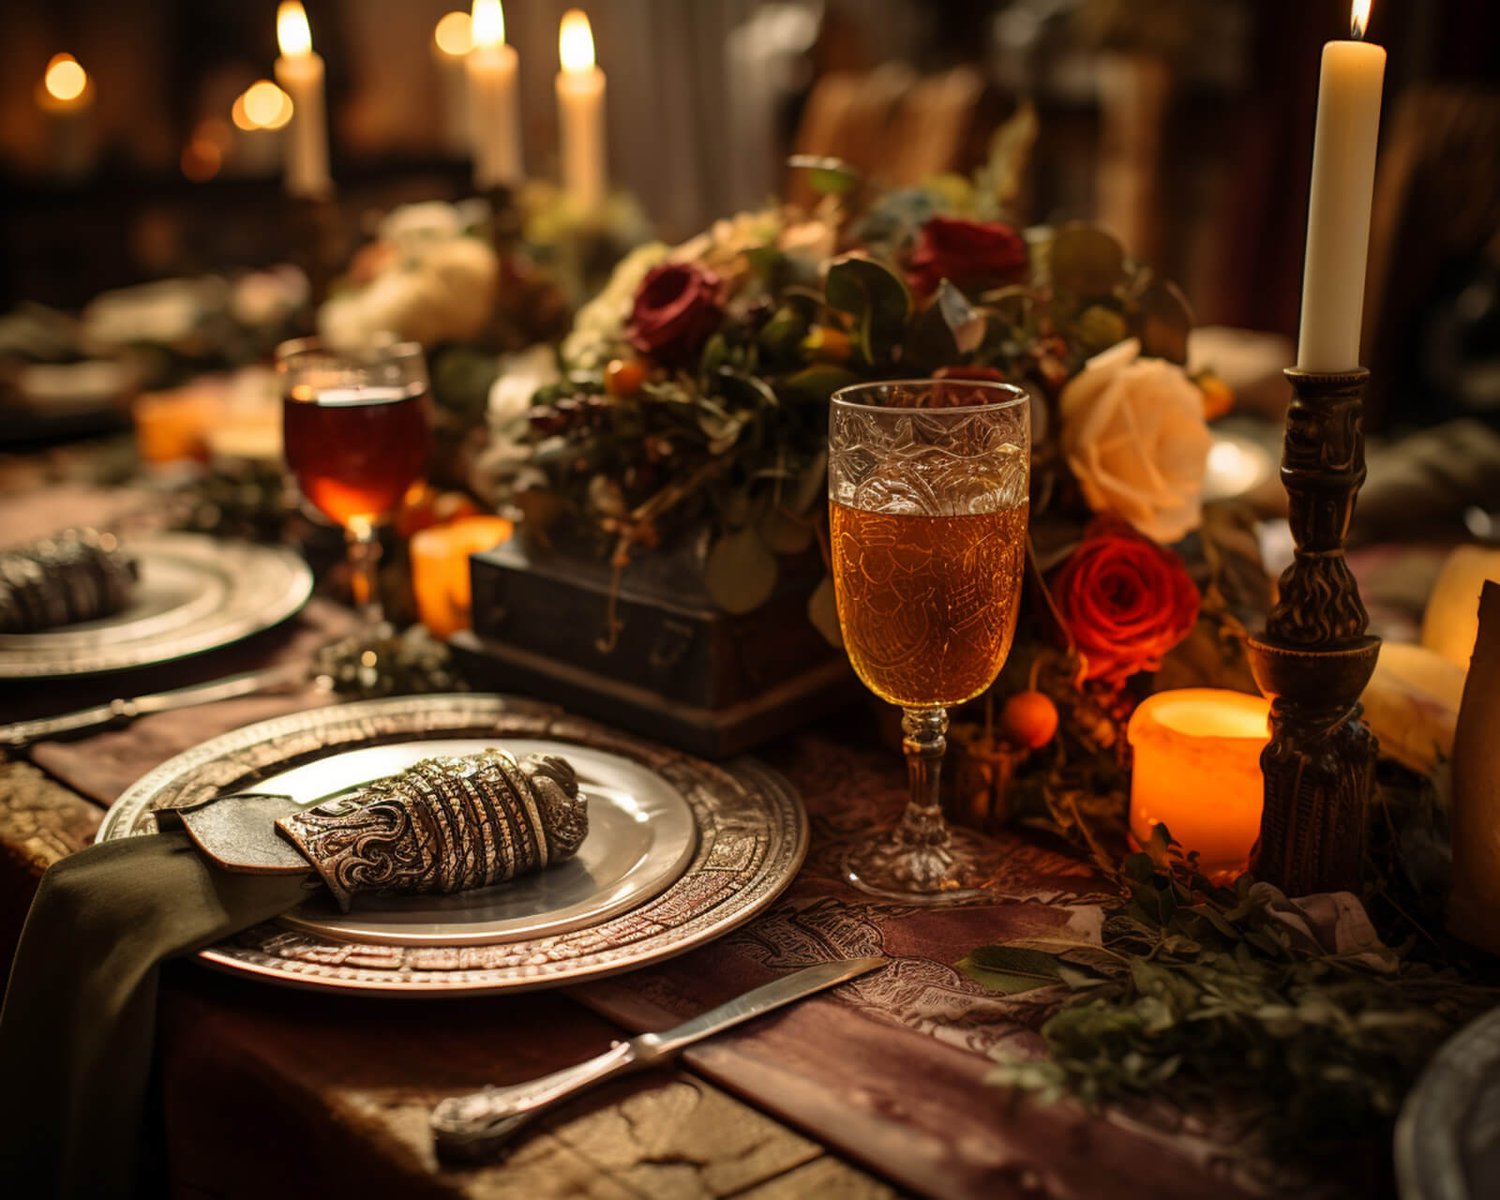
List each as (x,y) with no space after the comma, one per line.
(494,115)
(1338,211)
(580,103)
(1197,770)
(300,72)
(440,569)
(452,39)
(66,95)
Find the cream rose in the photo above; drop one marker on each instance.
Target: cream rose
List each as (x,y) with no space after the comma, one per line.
(1134,435)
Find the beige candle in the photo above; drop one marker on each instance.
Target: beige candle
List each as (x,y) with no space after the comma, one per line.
(66,95)
(580,103)
(452,39)
(1338,211)
(1196,770)
(494,115)
(300,72)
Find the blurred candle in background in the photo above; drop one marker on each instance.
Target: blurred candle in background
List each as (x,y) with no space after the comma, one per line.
(452,40)
(440,569)
(66,95)
(259,114)
(1196,770)
(494,114)
(300,72)
(1338,210)
(580,102)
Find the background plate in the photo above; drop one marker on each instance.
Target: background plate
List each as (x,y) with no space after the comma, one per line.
(751,836)
(195,593)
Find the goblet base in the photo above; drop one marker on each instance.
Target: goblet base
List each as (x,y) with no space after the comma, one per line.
(959,869)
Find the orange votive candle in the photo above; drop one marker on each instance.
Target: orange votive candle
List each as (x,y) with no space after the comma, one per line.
(1197,771)
(440,569)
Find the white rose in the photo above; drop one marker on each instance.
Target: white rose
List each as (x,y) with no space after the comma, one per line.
(1134,435)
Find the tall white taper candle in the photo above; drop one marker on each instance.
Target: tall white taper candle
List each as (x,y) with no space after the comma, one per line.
(1338,211)
(300,72)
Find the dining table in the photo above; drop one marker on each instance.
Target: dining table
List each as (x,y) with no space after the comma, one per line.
(880,1087)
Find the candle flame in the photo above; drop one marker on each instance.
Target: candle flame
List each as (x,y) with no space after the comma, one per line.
(65,79)
(263,105)
(292,32)
(487,24)
(454,34)
(1359,19)
(575,41)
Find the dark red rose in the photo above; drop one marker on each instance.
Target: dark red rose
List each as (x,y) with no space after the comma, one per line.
(677,308)
(1126,600)
(971,255)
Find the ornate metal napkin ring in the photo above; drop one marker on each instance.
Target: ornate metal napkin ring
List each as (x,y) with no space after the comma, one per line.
(78,575)
(444,825)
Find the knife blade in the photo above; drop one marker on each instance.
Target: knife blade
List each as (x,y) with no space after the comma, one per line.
(476,1125)
(125,709)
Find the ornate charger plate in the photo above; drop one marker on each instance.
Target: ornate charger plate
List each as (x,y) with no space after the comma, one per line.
(750,838)
(195,593)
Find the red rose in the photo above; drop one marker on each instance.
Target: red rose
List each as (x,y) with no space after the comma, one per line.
(971,255)
(677,308)
(1126,600)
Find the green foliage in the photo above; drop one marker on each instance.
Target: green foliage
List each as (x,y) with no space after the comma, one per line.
(1204,996)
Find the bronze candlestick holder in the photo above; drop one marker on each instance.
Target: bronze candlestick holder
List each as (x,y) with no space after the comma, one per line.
(1316,656)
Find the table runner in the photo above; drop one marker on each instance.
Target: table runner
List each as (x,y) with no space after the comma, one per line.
(890,1071)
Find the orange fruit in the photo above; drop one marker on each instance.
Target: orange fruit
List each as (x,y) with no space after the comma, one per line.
(1029,719)
(624,376)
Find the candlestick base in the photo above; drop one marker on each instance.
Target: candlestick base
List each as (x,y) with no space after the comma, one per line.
(1315,656)
(318,235)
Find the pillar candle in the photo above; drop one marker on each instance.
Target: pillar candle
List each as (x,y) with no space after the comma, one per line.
(494,115)
(580,103)
(1338,213)
(300,72)
(440,569)
(1196,769)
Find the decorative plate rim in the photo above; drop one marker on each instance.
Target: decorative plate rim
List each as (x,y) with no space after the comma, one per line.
(255,601)
(752,839)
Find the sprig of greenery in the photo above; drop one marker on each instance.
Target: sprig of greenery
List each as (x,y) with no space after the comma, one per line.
(1208,997)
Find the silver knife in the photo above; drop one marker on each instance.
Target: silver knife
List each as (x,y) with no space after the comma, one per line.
(23,733)
(476,1125)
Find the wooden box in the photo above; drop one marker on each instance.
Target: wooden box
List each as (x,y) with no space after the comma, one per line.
(680,669)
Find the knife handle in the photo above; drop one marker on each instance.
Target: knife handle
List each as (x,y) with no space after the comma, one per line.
(474,1126)
(23,733)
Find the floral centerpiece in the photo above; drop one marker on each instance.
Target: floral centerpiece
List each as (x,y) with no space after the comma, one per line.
(691,405)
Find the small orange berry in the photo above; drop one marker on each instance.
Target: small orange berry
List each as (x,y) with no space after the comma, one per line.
(1218,399)
(1029,719)
(824,343)
(624,376)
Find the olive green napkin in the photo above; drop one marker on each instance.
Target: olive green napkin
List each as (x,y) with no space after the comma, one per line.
(80,1009)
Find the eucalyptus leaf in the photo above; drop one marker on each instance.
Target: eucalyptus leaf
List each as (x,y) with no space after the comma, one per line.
(826,175)
(877,300)
(1163,321)
(741,572)
(783,533)
(823,612)
(1086,261)
(816,383)
(1010,970)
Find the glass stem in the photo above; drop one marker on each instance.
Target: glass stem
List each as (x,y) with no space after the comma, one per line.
(921,830)
(364,572)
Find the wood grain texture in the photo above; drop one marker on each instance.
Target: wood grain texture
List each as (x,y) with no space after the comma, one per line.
(303,1095)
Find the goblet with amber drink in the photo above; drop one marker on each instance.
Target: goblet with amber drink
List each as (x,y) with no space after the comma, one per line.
(927,484)
(354,426)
